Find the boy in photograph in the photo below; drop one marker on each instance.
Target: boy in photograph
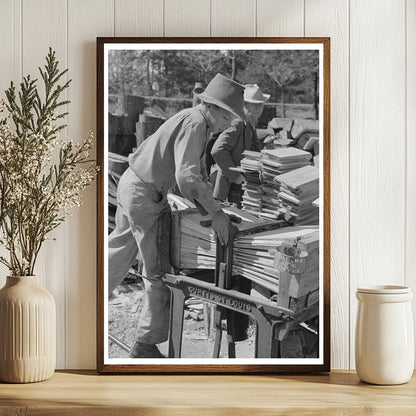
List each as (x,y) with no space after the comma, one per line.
(228,149)
(173,154)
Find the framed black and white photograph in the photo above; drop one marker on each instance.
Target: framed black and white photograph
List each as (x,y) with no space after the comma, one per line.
(213,205)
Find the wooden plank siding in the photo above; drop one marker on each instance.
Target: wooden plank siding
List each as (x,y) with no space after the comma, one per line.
(410,228)
(330,18)
(81,257)
(377,147)
(11,65)
(44,25)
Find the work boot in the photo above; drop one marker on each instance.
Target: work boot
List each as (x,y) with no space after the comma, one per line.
(140,350)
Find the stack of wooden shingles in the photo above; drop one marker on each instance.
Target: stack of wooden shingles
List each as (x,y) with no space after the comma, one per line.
(306,134)
(251,168)
(254,255)
(300,133)
(193,247)
(274,163)
(298,189)
(281,131)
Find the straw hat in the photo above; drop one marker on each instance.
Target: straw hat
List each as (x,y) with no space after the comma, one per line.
(253,94)
(225,93)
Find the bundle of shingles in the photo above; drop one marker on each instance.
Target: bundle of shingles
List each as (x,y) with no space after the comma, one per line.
(273,163)
(298,189)
(254,255)
(251,167)
(192,245)
(293,132)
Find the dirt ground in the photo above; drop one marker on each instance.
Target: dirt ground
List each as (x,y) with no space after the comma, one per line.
(124,308)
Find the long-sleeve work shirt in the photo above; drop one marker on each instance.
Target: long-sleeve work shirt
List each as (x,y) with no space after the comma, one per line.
(228,152)
(175,153)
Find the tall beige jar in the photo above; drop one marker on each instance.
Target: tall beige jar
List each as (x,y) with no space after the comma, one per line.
(384,343)
(27,331)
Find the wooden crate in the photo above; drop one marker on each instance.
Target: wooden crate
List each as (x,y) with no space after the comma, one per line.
(299,275)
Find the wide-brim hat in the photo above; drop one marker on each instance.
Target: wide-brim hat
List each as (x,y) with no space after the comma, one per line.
(225,93)
(253,94)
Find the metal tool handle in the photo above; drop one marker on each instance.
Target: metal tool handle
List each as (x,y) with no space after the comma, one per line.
(233,218)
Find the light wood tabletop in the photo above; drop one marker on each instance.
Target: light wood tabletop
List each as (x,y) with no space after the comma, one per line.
(86,393)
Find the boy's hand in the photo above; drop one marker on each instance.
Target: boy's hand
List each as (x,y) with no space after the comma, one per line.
(240,179)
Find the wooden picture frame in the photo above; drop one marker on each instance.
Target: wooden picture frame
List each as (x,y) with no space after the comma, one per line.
(284,354)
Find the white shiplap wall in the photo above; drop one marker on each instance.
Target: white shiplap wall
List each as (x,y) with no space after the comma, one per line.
(373,128)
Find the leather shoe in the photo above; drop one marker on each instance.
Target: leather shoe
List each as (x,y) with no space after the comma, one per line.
(140,350)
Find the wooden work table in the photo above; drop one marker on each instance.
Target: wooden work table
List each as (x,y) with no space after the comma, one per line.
(86,393)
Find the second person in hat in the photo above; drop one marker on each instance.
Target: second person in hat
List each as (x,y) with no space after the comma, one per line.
(228,149)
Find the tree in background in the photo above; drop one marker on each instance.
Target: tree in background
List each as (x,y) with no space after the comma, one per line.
(125,74)
(237,61)
(205,64)
(288,75)
(287,69)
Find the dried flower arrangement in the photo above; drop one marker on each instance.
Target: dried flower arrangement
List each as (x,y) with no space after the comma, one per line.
(42,175)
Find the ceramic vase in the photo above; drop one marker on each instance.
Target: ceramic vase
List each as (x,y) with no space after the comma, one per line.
(384,343)
(27,331)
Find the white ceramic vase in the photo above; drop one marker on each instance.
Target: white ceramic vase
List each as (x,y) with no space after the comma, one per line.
(384,343)
(27,331)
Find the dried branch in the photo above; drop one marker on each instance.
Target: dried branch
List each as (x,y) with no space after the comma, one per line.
(41,175)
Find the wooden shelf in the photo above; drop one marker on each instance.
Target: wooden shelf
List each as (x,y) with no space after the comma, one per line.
(86,393)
